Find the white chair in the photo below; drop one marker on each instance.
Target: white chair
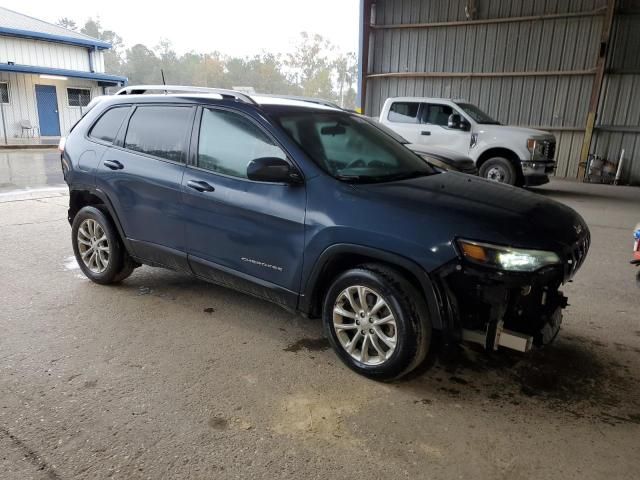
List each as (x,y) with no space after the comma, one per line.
(29,128)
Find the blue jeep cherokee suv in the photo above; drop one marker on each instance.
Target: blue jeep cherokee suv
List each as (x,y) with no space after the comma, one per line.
(320,211)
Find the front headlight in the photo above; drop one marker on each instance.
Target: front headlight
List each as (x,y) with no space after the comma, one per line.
(506,258)
(535,147)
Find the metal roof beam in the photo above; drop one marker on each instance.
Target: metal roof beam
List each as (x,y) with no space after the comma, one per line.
(485,21)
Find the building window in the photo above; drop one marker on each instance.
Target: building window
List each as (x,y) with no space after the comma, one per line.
(4,92)
(79,97)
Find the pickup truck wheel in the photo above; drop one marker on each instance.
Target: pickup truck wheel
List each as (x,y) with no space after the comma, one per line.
(98,248)
(499,170)
(376,322)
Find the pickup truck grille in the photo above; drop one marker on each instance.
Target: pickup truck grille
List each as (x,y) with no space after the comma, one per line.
(548,149)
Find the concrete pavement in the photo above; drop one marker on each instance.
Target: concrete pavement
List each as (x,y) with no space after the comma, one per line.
(164,376)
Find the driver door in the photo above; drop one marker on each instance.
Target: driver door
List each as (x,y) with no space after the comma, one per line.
(241,233)
(434,130)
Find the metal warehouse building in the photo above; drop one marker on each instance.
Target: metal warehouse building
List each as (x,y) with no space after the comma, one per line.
(571,67)
(47,75)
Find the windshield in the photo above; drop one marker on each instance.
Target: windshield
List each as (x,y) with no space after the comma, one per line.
(477,114)
(351,148)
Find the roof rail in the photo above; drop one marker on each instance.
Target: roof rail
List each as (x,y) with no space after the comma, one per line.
(224,93)
(319,101)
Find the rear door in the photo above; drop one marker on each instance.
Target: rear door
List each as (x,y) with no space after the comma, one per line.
(404,118)
(142,176)
(246,234)
(434,130)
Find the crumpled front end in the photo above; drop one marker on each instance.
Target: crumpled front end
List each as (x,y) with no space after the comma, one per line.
(514,310)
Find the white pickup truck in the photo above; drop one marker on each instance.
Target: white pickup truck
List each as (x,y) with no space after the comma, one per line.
(513,155)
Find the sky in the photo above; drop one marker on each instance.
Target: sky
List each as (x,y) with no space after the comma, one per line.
(233,27)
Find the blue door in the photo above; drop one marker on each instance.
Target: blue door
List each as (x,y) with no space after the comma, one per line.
(47,101)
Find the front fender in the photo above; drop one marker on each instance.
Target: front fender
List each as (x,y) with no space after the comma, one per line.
(429,289)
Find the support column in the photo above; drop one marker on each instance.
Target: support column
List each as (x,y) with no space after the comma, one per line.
(598,81)
(363,53)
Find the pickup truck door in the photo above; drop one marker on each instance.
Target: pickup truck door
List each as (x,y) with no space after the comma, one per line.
(241,233)
(403,117)
(435,132)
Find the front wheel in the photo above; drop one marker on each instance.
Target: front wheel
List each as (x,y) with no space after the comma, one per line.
(499,170)
(377,322)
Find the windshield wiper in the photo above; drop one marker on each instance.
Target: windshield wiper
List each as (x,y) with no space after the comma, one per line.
(406,175)
(350,178)
(383,178)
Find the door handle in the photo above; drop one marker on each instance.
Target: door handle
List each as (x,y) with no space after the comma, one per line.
(113,164)
(200,186)
(425,132)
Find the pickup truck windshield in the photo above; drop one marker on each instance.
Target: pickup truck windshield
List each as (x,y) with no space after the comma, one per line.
(477,114)
(350,148)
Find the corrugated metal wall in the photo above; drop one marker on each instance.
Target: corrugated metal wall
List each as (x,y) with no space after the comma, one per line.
(22,101)
(24,51)
(563,52)
(618,125)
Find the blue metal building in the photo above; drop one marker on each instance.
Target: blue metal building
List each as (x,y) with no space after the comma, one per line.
(47,75)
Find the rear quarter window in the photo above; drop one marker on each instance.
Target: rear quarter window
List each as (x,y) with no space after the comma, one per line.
(159,131)
(404,112)
(107,126)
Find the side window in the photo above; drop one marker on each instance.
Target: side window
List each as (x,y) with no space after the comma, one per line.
(229,141)
(404,112)
(107,126)
(435,114)
(160,131)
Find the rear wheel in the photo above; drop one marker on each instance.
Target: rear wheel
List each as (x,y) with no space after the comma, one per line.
(499,169)
(98,248)
(376,322)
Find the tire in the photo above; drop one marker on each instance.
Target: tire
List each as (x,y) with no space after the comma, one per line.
(501,170)
(410,326)
(98,248)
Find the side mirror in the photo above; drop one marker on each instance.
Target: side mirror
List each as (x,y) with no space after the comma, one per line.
(272,169)
(455,121)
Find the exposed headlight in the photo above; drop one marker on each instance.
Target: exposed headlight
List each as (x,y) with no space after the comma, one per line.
(535,147)
(506,258)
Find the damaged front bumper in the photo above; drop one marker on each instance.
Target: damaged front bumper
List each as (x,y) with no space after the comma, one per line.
(512,310)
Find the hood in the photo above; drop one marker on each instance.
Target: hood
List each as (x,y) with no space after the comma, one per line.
(447,205)
(521,131)
(447,159)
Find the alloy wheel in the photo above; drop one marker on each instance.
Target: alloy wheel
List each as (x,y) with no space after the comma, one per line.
(365,325)
(93,246)
(497,174)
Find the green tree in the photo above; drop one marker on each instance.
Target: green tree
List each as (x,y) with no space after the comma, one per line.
(112,57)
(315,68)
(311,67)
(142,66)
(67,23)
(262,72)
(346,67)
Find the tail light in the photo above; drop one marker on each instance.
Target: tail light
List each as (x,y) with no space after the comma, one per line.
(61,144)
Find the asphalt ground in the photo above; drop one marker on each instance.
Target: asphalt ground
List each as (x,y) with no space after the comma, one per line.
(165,376)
